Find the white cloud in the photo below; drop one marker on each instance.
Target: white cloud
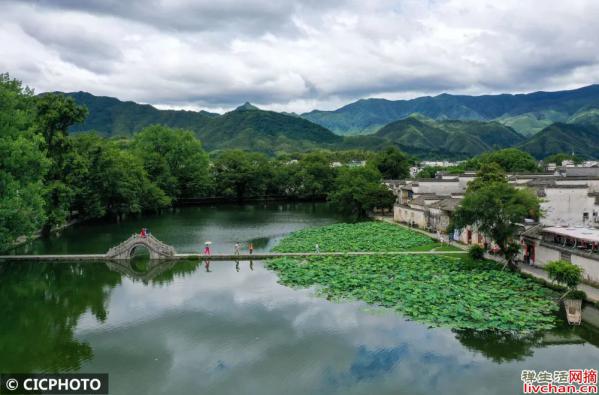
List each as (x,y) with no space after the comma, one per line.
(296,56)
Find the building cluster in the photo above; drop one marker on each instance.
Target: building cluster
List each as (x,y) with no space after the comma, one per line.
(568,228)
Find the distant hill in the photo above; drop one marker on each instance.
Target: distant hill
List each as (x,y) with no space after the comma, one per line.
(581,139)
(585,116)
(111,117)
(417,134)
(526,113)
(246,127)
(265,131)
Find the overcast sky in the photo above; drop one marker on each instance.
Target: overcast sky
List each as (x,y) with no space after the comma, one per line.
(297,56)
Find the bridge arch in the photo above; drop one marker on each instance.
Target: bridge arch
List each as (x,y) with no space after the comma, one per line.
(157,249)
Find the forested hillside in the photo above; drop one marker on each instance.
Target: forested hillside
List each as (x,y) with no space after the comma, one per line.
(253,129)
(246,127)
(527,113)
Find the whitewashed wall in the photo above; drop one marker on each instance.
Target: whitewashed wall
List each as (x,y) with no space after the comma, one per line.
(566,206)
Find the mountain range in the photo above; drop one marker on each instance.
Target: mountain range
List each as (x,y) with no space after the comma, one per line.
(526,113)
(245,127)
(443,126)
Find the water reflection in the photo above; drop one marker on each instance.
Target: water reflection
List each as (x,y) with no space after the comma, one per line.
(501,347)
(150,271)
(213,333)
(41,304)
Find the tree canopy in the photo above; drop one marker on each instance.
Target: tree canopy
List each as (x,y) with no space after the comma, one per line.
(510,160)
(392,163)
(495,208)
(358,190)
(23,164)
(174,160)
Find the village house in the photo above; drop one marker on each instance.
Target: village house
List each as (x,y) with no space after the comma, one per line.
(579,245)
(568,228)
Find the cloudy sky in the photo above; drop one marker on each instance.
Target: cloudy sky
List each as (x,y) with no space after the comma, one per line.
(297,55)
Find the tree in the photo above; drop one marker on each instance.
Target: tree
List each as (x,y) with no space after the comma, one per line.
(431,171)
(174,160)
(55,113)
(108,180)
(509,159)
(240,174)
(392,163)
(565,273)
(23,164)
(495,208)
(358,190)
(559,158)
(315,176)
(488,173)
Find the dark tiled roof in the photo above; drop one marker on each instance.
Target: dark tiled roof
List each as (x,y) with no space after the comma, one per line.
(447,204)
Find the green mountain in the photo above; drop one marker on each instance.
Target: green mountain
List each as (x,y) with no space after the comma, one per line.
(418,135)
(531,123)
(527,113)
(246,127)
(112,117)
(264,131)
(585,116)
(581,139)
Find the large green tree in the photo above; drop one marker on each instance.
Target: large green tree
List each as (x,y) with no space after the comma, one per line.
(509,159)
(174,160)
(358,190)
(315,176)
(240,174)
(495,208)
(392,163)
(110,181)
(23,164)
(55,114)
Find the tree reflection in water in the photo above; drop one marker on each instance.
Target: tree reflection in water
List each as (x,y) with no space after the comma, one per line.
(503,347)
(44,302)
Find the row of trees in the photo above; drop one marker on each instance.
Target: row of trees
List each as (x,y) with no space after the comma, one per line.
(509,159)
(48,176)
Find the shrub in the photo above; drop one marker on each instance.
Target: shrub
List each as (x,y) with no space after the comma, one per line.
(476,252)
(577,294)
(564,273)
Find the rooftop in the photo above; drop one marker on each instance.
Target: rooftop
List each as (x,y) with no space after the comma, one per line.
(447,204)
(587,234)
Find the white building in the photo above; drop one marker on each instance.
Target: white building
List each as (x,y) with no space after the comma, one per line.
(578,245)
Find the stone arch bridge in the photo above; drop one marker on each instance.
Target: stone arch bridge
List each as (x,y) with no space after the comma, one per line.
(158,250)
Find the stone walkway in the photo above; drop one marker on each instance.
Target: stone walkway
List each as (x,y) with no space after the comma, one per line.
(222,257)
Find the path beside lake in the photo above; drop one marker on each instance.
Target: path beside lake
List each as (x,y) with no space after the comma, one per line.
(534,271)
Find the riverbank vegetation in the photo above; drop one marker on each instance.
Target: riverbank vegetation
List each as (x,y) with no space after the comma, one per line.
(362,236)
(49,177)
(440,290)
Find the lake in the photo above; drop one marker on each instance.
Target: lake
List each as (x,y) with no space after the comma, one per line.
(229,328)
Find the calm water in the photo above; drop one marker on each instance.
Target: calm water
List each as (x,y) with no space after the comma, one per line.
(231,329)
